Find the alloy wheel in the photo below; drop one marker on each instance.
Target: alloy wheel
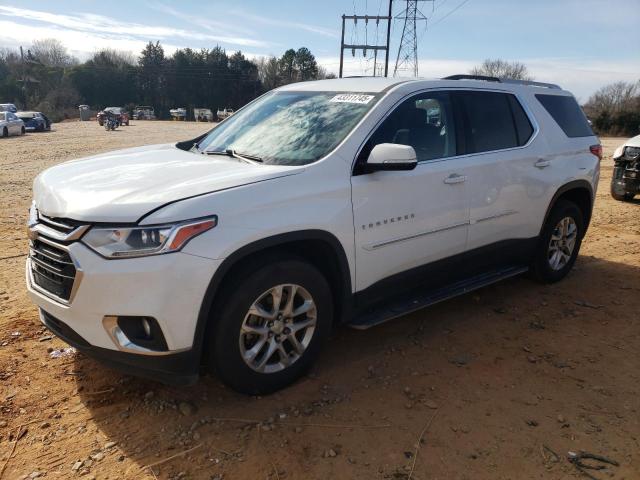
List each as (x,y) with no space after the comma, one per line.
(278,328)
(562,243)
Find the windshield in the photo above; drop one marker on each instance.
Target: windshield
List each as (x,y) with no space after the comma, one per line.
(289,128)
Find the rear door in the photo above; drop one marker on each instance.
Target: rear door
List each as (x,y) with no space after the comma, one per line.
(508,174)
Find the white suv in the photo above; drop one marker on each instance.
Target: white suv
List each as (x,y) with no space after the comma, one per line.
(349,200)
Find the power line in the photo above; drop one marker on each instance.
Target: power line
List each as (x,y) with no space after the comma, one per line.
(450,13)
(365,46)
(407,58)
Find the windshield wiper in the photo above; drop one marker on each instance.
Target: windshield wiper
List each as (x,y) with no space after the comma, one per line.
(253,160)
(243,156)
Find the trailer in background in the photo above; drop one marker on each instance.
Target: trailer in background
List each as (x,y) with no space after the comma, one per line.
(178,113)
(144,112)
(203,114)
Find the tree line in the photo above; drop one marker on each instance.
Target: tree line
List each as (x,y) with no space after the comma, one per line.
(46,78)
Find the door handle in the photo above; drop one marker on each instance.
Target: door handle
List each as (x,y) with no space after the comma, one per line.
(542,163)
(455,178)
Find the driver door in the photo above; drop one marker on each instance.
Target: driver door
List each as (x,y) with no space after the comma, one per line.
(408,219)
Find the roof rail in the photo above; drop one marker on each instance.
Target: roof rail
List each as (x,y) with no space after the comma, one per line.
(472,77)
(530,83)
(512,81)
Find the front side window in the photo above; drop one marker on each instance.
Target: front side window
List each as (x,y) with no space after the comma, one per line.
(290,128)
(424,122)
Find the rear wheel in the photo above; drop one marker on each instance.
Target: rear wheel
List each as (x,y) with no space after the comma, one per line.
(270,325)
(559,243)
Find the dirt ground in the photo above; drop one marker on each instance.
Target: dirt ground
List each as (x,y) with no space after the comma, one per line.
(501,383)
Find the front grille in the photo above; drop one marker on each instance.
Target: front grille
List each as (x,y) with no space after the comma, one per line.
(61,225)
(52,268)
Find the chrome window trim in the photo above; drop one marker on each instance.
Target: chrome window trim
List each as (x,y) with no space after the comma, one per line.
(519,98)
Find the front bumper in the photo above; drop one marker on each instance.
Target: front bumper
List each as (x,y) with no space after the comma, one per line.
(180,368)
(169,288)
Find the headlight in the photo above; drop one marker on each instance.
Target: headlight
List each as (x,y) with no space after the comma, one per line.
(632,153)
(121,242)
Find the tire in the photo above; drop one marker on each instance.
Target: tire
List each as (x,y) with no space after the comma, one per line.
(253,286)
(101,123)
(5,132)
(547,268)
(23,131)
(620,194)
(625,197)
(41,127)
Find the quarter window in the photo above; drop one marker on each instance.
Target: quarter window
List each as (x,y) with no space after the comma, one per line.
(524,128)
(567,114)
(424,122)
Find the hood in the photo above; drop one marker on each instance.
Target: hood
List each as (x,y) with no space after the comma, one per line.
(633,142)
(124,185)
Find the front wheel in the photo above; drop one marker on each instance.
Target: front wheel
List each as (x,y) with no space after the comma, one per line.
(23,131)
(270,325)
(5,132)
(559,243)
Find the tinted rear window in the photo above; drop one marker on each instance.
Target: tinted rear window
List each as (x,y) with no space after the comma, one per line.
(490,124)
(567,114)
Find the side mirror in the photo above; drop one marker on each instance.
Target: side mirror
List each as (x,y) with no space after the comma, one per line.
(391,157)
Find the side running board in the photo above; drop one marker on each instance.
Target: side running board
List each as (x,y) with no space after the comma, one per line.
(419,300)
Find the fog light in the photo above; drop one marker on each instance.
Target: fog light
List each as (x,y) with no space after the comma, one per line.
(146,326)
(136,334)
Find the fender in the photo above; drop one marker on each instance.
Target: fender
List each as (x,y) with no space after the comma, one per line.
(263,244)
(573,185)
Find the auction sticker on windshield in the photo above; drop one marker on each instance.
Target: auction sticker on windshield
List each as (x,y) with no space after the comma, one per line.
(352,98)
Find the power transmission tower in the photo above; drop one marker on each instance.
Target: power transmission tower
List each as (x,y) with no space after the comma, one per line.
(407,58)
(364,47)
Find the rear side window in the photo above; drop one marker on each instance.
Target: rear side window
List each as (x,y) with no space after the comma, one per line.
(567,114)
(524,129)
(489,122)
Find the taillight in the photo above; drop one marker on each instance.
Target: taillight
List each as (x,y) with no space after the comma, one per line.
(596,150)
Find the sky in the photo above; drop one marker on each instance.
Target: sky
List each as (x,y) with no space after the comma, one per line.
(580,44)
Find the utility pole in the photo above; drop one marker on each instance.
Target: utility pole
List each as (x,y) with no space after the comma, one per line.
(364,47)
(407,58)
(24,83)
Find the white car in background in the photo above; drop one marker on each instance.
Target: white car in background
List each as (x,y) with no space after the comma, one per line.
(10,124)
(8,107)
(625,182)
